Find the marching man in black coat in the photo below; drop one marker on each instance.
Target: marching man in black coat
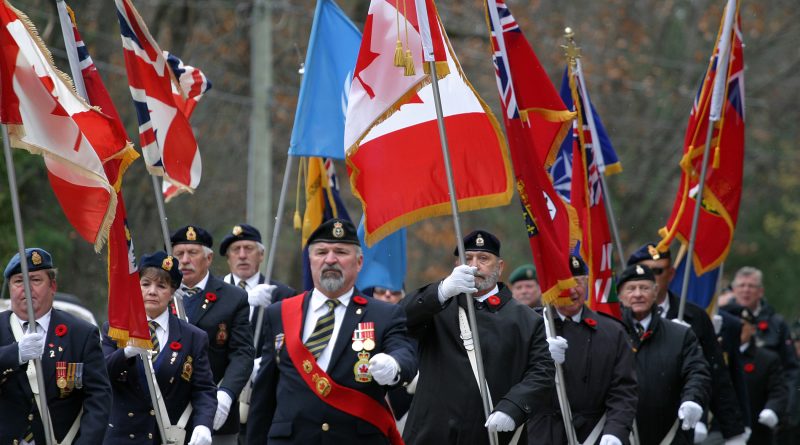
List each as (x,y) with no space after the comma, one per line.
(599,374)
(222,311)
(331,356)
(76,383)
(674,380)
(447,406)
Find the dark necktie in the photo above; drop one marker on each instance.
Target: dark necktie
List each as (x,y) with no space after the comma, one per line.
(322,330)
(154,338)
(242,284)
(639,330)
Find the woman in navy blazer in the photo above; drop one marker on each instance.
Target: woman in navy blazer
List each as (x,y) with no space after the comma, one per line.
(181,366)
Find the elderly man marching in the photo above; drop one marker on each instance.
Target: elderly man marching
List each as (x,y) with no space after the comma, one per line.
(331,355)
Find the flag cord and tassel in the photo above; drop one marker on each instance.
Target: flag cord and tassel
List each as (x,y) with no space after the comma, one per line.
(41,398)
(409,60)
(714,115)
(399,57)
(487,403)
(297,221)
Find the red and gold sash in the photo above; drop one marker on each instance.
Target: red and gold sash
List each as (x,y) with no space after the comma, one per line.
(347,400)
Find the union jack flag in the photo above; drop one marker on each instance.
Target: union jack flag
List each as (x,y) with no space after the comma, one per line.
(164,93)
(502,72)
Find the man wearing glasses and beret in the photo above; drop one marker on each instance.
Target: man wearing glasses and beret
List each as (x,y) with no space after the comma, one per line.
(724,403)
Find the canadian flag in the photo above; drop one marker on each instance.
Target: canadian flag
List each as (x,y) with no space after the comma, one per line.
(392,143)
(45,116)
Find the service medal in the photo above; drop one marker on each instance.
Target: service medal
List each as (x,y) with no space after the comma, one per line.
(61,375)
(61,382)
(361,368)
(369,344)
(366,336)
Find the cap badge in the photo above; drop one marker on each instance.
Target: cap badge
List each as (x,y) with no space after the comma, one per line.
(237,230)
(338,230)
(654,253)
(479,241)
(639,270)
(191,235)
(167,263)
(36,259)
(575,263)
(529,273)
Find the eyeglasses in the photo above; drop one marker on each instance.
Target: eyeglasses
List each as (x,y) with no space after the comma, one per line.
(657,270)
(383,290)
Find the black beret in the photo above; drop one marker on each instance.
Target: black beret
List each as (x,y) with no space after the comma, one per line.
(38,259)
(192,235)
(240,232)
(647,252)
(740,311)
(481,240)
(160,260)
(334,230)
(577,266)
(524,272)
(636,272)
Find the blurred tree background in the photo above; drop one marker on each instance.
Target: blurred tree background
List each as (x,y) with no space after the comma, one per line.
(643,62)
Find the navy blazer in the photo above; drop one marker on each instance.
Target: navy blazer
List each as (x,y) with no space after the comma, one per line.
(284,410)
(80,344)
(183,374)
(231,353)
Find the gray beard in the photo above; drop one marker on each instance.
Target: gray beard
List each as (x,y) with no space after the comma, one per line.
(331,283)
(488,282)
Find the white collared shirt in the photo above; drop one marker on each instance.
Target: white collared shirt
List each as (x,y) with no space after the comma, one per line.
(645,322)
(494,291)
(250,282)
(664,307)
(162,331)
(576,318)
(744,347)
(201,284)
(43,323)
(317,309)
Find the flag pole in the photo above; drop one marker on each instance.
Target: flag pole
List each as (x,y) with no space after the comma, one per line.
(177,297)
(720,84)
(487,403)
(561,389)
(37,363)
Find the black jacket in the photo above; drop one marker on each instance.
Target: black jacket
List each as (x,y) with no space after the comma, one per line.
(80,343)
(600,378)
(765,385)
(224,318)
(724,401)
(447,406)
(671,370)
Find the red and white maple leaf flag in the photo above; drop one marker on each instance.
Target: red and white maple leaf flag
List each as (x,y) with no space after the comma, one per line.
(393,151)
(45,116)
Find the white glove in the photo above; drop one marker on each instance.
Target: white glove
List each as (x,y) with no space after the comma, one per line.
(384,369)
(558,348)
(499,421)
(700,432)
(460,281)
(768,418)
(741,439)
(610,439)
(31,346)
(681,322)
(134,351)
(201,435)
(261,295)
(690,412)
(223,408)
(716,320)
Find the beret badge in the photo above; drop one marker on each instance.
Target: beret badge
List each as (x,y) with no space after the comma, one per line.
(237,230)
(167,263)
(338,230)
(479,241)
(36,259)
(191,235)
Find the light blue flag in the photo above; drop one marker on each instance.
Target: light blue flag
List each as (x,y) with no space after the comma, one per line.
(322,103)
(701,289)
(384,262)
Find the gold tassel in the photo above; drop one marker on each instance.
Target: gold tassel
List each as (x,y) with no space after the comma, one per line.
(716,157)
(298,223)
(399,60)
(409,64)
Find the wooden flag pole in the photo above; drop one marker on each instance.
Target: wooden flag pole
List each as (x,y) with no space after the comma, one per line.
(487,403)
(44,411)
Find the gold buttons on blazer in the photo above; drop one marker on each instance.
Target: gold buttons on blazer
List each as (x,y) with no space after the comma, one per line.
(325,426)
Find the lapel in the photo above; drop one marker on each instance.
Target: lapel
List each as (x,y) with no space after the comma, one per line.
(6,336)
(165,367)
(261,278)
(349,323)
(54,346)
(212,287)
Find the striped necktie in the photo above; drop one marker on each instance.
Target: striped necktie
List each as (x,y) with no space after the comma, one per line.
(322,330)
(154,338)
(639,329)
(242,284)
(191,290)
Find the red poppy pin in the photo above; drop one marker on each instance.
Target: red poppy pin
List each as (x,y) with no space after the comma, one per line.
(61,330)
(493,301)
(646,335)
(763,325)
(175,346)
(211,296)
(591,322)
(359,300)
(749,367)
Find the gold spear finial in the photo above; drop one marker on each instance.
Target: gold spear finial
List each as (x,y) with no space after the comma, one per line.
(571,49)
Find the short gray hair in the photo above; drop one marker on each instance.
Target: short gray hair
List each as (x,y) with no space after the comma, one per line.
(749,271)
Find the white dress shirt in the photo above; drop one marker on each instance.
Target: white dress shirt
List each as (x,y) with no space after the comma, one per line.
(162,331)
(317,309)
(43,323)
